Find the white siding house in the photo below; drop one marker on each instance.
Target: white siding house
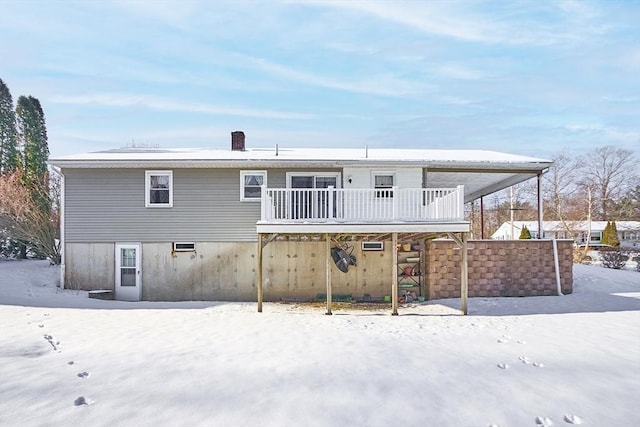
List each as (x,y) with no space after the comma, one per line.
(628,231)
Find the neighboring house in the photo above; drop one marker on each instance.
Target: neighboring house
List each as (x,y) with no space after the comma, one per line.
(219,224)
(628,231)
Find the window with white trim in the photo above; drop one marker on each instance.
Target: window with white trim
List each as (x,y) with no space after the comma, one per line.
(251,183)
(384,181)
(159,189)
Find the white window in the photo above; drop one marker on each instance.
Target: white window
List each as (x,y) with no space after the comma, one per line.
(251,183)
(384,181)
(159,189)
(184,246)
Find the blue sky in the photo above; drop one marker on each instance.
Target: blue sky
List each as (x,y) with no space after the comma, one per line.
(525,77)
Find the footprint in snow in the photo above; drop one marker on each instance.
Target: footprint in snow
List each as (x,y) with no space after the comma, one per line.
(71,362)
(522,342)
(83,374)
(503,366)
(525,360)
(538,365)
(572,419)
(502,340)
(54,342)
(82,401)
(544,422)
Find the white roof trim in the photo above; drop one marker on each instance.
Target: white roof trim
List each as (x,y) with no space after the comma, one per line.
(299,157)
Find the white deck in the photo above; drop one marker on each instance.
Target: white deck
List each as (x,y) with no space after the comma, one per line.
(335,210)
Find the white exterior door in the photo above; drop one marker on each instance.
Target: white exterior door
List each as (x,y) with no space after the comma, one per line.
(128,272)
(309,204)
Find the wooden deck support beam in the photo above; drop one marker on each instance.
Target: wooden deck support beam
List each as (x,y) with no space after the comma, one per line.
(394,275)
(328,258)
(259,273)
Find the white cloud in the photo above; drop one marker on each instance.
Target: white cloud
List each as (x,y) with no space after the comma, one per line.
(485,22)
(380,84)
(157,103)
(608,134)
(428,17)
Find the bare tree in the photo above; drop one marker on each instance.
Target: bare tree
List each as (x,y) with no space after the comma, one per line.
(23,218)
(561,193)
(611,172)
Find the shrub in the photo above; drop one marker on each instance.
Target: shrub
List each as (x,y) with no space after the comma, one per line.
(580,256)
(613,258)
(636,258)
(525,233)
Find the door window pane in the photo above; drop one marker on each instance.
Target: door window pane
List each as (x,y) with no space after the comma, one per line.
(127,257)
(128,267)
(127,277)
(325,181)
(302,182)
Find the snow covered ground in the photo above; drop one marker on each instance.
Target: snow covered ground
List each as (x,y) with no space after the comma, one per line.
(66,360)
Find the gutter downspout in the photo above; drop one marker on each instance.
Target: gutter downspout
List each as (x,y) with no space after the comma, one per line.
(58,171)
(482,217)
(556,265)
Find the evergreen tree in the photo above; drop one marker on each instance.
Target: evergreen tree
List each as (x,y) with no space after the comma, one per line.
(606,233)
(10,158)
(525,233)
(610,234)
(614,241)
(33,135)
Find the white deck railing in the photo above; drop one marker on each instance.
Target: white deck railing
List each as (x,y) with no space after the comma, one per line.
(322,205)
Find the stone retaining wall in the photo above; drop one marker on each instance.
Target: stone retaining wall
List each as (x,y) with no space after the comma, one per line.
(498,268)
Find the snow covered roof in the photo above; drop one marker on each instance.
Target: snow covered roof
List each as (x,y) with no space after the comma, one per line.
(482,172)
(285,157)
(573,225)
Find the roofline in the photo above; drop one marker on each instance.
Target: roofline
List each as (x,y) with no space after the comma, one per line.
(436,166)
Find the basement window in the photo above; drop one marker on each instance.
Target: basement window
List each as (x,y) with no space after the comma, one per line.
(184,246)
(372,246)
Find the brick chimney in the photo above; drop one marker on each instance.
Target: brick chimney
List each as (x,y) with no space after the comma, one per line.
(237,141)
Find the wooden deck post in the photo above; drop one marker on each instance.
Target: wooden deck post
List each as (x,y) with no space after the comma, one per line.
(259,273)
(464,275)
(394,274)
(328,270)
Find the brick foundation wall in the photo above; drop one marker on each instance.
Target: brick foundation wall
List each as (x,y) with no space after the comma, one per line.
(498,268)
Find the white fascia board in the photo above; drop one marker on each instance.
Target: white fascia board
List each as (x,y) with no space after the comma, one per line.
(301,228)
(304,158)
(297,163)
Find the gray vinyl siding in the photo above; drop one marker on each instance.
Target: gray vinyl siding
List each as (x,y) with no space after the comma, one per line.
(108,205)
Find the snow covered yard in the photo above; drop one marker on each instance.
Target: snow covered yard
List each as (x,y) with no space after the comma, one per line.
(69,360)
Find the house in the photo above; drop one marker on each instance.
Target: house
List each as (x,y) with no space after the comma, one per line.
(628,231)
(241,223)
